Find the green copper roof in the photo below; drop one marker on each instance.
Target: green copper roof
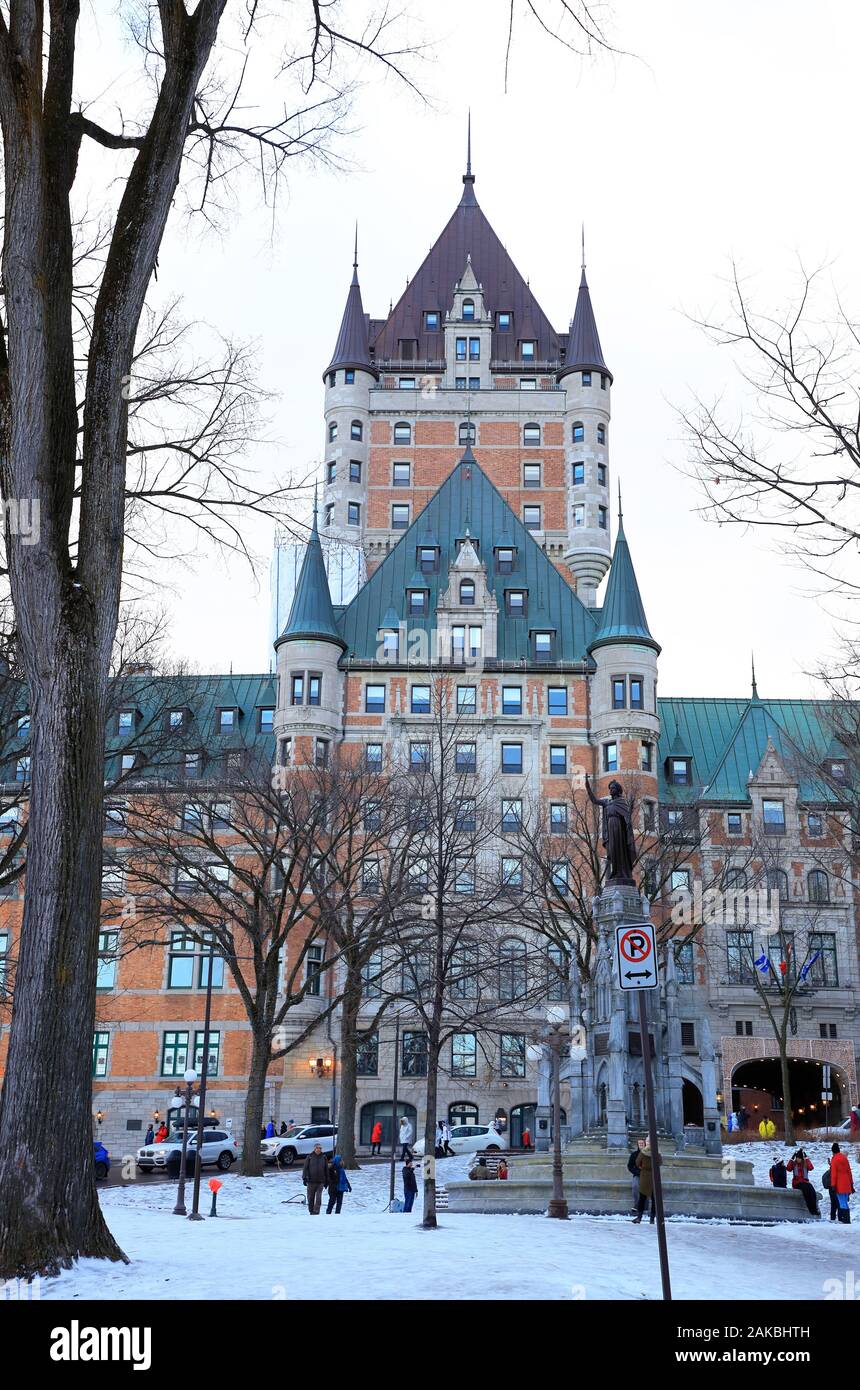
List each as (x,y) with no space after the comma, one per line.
(727,740)
(468,503)
(622,618)
(312,614)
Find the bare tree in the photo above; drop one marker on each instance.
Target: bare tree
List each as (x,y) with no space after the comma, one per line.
(790,465)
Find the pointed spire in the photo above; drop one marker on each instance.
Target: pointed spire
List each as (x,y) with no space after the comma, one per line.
(583,341)
(622,618)
(352,348)
(468,199)
(754,695)
(620,512)
(312,615)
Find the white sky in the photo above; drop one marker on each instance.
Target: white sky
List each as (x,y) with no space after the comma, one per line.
(731,131)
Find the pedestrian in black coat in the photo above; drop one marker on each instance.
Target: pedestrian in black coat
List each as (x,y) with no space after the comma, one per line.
(410,1185)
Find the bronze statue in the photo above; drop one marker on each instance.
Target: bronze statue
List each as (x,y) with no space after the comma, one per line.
(617,833)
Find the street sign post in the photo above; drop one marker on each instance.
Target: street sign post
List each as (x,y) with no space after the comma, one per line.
(636,956)
(636,968)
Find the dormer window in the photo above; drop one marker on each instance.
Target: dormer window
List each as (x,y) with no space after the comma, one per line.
(431,320)
(506,557)
(467,592)
(266,721)
(531,434)
(473,541)
(417,603)
(390,644)
(468,308)
(838,770)
(516,602)
(124,721)
(466,432)
(528,349)
(176,720)
(680,771)
(773,817)
(228,718)
(543,646)
(504,320)
(428,559)
(402,433)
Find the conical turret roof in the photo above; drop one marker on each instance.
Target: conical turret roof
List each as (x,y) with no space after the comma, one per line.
(312,615)
(622,617)
(351,348)
(583,342)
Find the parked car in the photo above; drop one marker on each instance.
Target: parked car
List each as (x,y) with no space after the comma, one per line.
(468,1139)
(842,1130)
(101,1158)
(284,1149)
(219,1148)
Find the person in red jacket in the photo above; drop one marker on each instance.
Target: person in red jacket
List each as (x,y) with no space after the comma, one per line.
(527,1138)
(376,1139)
(841,1182)
(800,1166)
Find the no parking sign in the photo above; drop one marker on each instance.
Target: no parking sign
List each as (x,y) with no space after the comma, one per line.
(636,955)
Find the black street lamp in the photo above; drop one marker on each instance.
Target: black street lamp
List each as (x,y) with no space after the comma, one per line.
(555,1035)
(204,1073)
(190,1078)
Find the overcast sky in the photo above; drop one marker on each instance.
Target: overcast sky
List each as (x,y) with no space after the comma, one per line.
(731,131)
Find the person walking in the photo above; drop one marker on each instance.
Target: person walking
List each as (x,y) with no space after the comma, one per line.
(150,1135)
(338,1186)
(315,1178)
(800,1167)
(527,1138)
(410,1185)
(376,1139)
(405,1139)
(842,1183)
(438,1142)
(446,1141)
(645,1164)
(633,1170)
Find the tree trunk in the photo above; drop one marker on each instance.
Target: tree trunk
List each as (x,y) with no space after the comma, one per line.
(786,1090)
(348,1061)
(255,1096)
(49,1208)
(428,1220)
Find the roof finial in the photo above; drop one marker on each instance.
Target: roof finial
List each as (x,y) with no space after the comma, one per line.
(355,253)
(583,248)
(468,199)
(620,512)
(315,505)
(754,686)
(469,144)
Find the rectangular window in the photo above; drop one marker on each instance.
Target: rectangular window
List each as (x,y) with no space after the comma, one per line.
(106,969)
(297,690)
(101,1043)
(401,474)
(560,876)
(505,558)
(558,817)
(610,757)
(420,702)
(739,947)
(824,970)
(353,513)
(578,516)
(734,823)
(512,758)
(558,760)
(428,559)
(504,319)
(601,475)
(226,721)
(313,969)
(180,961)
(646,756)
(458,645)
(267,720)
(371,974)
(367,1054)
(516,603)
(513,1054)
(512,873)
(174,1054)
(684,967)
(373,757)
(213,1051)
(512,817)
(413,1054)
(464,815)
(464,875)
(528,383)
(466,758)
(619,692)
(474,349)
(355,470)
(773,816)
(527,350)
(349,377)
(374,699)
(466,699)
(113,881)
(203,967)
(531,518)
(586,378)
(649,815)
(636,693)
(460,348)
(328,515)
(531,475)
(431,320)
(370,876)
(578,473)
(464,1054)
(314,688)
(419,755)
(814,823)
(406,383)
(512,699)
(602,518)
(331,471)
(321,752)
(688,1035)
(417,605)
(543,644)
(399,516)
(680,772)
(124,721)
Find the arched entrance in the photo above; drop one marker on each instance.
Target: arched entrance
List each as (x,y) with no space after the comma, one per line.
(523,1117)
(462,1112)
(381,1110)
(757,1093)
(694,1106)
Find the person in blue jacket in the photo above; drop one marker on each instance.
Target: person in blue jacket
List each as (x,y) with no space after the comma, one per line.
(410,1185)
(270,1130)
(338,1186)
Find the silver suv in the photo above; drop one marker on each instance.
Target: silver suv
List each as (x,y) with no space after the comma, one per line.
(284,1149)
(219,1148)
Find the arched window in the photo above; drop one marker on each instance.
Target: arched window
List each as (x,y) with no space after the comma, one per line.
(531,434)
(601,434)
(402,433)
(578,432)
(467,591)
(381,1110)
(356,430)
(777,882)
(332,431)
(468,308)
(512,969)
(462,1112)
(467,432)
(818,886)
(736,878)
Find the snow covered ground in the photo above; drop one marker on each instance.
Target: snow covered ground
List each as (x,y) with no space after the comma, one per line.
(264,1246)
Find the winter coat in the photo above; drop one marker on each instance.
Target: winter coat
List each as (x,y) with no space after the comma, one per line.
(405,1132)
(767,1129)
(841,1177)
(376,1133)
(337,1179)
(646,1174)
(798,1177)
(527,1139)
(315,1170)
(150,1135)
(161,1135)
(778,1175)
(480,1173)
(270,1130)
(410,1181)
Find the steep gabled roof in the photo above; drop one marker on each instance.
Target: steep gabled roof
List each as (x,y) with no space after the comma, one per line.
(352,348)
(622,617)
(583,342)
(467,502)
(468,233)
(312,614)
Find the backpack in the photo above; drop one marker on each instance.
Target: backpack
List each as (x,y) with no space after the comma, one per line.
(825,1179)
(631,1162)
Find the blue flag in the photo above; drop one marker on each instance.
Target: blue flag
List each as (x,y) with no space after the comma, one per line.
(763,964)
(809,964)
